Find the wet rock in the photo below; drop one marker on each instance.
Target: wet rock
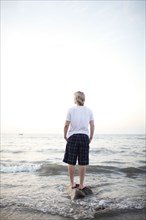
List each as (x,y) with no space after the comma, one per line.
(102,204)
(79,194)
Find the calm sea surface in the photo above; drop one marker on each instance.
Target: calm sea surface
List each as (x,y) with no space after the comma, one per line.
(34,177)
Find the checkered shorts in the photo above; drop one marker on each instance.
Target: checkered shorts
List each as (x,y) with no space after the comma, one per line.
(77,147)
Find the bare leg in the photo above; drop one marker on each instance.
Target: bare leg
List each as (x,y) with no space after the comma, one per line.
(82,171)
(71,171)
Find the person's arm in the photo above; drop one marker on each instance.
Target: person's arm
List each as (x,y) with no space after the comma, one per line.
(66,126)
(92,127)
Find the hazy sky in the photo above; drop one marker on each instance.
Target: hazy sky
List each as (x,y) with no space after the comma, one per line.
(51,49)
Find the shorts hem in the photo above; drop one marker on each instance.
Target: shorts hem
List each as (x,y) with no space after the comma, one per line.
(69,163)
(83,164)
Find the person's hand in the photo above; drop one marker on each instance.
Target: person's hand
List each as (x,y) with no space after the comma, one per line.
(90,139)
(65,138)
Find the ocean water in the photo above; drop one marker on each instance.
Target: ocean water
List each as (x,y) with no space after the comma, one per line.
(34,178)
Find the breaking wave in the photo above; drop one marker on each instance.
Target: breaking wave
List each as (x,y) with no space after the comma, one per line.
(55,169)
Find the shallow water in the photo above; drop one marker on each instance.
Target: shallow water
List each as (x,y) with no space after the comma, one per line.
(34,177)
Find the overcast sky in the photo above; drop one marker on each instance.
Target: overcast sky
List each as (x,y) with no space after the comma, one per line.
(51,49)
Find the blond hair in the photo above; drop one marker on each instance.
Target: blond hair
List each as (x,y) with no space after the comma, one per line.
(79,98)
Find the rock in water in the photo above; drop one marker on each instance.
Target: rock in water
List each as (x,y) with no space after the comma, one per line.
(102,204)
(76,193)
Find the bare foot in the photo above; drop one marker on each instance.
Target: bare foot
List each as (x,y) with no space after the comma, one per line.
(81,187)
(75,186)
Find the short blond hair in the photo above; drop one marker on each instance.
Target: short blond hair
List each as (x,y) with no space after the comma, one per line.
(79,98)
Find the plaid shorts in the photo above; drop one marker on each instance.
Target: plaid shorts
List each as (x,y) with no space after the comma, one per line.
(77,147)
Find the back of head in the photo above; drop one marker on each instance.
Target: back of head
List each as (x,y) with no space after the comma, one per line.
(79,98)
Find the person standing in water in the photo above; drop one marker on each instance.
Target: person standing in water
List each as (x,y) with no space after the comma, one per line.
(78,132)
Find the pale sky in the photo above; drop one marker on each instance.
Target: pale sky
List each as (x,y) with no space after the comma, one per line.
(51,49)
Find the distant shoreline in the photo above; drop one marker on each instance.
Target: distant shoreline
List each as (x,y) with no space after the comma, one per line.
(61,133)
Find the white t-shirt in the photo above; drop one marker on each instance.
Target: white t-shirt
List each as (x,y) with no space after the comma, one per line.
(79,117)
